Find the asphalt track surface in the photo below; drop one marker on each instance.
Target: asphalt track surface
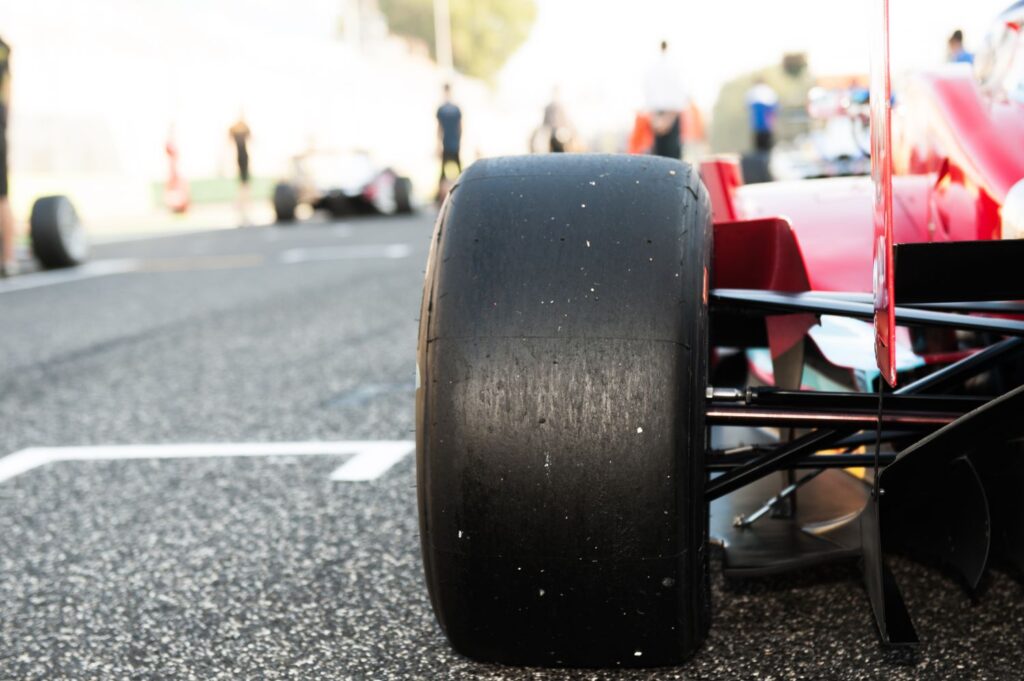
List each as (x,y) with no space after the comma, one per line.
(265,568)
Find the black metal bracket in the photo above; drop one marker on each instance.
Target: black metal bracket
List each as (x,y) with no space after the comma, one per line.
(891,616)
(818,439)
(984,270)
(937,495)
(792,408)
(958,534)
(748,300)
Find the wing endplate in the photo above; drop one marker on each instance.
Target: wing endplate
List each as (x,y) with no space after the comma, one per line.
(881,175)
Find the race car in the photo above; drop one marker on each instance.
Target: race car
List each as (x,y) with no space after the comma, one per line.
(343,183)
(584,437)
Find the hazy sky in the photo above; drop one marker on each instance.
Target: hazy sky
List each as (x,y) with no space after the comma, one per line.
(111,75)
(596,49)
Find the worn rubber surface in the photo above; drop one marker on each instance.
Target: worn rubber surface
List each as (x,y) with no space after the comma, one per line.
(57,239)
(560,427)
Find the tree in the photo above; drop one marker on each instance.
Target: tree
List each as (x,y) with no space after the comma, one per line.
(485,33)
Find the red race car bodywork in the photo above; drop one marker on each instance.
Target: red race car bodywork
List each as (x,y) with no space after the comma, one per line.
(956,156)
(935,197)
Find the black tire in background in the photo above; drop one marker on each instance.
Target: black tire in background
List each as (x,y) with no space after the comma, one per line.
(286,200)
(756,167)
(563,352)
(403,195)
(58,239)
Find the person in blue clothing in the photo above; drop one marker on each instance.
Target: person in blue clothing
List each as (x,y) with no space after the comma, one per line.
(449,133)
(763,104)
(957,53)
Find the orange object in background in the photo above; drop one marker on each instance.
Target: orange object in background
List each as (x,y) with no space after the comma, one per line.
(641,140)
(693,124)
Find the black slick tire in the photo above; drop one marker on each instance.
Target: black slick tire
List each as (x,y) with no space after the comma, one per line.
(58,239)
(403,195)
(286,200)
(562,366)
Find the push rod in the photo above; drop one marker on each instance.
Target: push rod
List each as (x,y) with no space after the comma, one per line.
(722,463)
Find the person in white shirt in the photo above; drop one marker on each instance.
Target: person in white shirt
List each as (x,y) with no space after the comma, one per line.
(666,99)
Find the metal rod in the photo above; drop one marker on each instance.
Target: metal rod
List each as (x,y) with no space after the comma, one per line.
(867,438)
(717,464)
(734,415)
(985,306)
(744,453)
(820,439)
(843,401)
(743,522)
(772,461)
(773,301)
(937,381)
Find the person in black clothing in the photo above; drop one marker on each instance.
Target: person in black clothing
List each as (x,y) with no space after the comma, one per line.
(239,134)
(8,263)
(556,122)
(449,133)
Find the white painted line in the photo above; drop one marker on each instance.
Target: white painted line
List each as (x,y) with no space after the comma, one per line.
(355,252)
(370,458)
(320,229)
(23,461)
(374,461)
(90,270)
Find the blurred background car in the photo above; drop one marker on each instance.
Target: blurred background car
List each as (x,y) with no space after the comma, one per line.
(342,183)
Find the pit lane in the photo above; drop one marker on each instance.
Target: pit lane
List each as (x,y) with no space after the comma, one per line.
(262,566)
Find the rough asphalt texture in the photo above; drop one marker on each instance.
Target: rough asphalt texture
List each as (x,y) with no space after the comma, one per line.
(263,568)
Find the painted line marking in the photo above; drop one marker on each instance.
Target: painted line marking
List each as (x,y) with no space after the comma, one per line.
(90,270)
(172,233)
(319,229)
(325,254)
(201,262)
(372,462)
(370,458)
(104,268)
